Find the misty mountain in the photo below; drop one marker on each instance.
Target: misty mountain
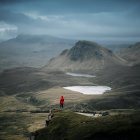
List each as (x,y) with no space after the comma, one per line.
(116,47)
(84,56)
(31,50)
(131,53)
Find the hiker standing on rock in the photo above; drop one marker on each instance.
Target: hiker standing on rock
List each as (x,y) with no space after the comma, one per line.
(61,101)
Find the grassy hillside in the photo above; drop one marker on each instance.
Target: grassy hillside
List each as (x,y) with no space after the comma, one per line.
(70,126)
(17,126)
(34,87)
(125,84)
(25,79)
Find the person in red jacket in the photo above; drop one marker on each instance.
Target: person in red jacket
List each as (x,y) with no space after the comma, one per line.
(61,101)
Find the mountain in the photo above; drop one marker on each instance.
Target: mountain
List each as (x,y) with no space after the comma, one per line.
(84,56)
(116,47)
(31,50)
(131,53)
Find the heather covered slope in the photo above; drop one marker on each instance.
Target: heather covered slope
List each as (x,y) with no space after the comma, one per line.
(71,126)
(84,56)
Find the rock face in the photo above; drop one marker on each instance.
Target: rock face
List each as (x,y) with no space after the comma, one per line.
(84,50)
(84,56)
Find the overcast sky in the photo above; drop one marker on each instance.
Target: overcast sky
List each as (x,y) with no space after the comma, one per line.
(75,19)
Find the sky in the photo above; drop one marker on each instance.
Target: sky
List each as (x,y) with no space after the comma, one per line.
(107,20)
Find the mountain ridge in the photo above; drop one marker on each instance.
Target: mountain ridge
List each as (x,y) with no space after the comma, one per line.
(31,50)
(84,55)
(131,53)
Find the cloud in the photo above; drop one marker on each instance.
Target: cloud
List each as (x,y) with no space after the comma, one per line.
(70,6)
(13,17)
(7,31)
(46,18)
(7,2)
(73,18)
(91,25)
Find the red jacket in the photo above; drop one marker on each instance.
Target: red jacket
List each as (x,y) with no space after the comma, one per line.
(61,100)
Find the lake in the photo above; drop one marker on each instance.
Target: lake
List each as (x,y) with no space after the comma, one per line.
(80,75)
(90,90)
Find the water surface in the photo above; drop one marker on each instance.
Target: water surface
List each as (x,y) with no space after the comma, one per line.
(90,90)
(80,74)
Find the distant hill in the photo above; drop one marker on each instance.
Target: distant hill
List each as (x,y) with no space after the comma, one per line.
(85,55)
(131,53)
(116,47)
(31,50)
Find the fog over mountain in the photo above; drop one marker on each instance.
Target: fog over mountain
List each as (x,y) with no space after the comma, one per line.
(31,50)
(131,53)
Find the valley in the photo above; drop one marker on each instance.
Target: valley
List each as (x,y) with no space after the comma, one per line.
(69,69)
(27,93)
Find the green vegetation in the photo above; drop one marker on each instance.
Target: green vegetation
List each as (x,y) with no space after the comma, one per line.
(17,126)
(36,90)
(67,125)
(13,126)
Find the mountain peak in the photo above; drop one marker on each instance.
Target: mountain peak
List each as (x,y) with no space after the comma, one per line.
(86,50)
(85,43)
(84,56)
